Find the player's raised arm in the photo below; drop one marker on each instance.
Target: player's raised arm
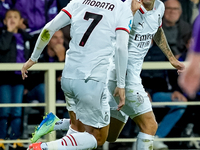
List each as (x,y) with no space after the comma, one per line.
(162,43)
(46,34)
(61,20)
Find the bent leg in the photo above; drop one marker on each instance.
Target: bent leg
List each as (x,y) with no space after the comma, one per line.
(78,127)
(100,134)
(76,124)
(118,119)
(147,123)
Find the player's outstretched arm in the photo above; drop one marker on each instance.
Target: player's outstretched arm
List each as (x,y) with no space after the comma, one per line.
(162,43)
(46,34)
(43,39)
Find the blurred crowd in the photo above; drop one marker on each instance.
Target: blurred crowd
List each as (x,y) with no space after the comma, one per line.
(20,24)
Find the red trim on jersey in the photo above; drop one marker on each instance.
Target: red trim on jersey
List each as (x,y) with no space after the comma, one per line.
(70,16)
(73,139)
(65,142)
(70,140)
(160,26)
(141,10)
(62,143)
(123,29)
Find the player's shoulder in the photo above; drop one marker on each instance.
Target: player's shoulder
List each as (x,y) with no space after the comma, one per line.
(75,3)
(124,5)
(160,6)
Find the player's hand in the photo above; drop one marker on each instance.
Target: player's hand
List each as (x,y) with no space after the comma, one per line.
(121,93)
(25,68)
(135,5)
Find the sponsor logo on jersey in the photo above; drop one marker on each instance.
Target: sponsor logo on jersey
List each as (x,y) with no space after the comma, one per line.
(141,24)
(144,40)
(104,5)
(139,37)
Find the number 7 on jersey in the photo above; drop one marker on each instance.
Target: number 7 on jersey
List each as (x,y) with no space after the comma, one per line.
(96,18)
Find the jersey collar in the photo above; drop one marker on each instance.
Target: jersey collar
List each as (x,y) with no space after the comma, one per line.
(143,11)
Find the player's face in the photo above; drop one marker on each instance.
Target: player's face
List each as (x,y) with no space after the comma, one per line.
(147,2)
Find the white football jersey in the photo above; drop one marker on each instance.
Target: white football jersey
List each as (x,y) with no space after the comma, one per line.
(93,29)
(145,25)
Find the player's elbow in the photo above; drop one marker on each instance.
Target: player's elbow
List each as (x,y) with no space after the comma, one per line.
(122,51)
(120,48)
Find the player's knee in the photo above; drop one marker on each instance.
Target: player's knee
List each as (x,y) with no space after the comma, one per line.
(149,127)
(154,127)
(100,140)
(99,134)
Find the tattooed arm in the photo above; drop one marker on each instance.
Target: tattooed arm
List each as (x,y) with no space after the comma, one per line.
(161,41)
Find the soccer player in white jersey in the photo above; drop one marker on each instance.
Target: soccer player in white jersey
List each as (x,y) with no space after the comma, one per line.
(98,29)
(147,25)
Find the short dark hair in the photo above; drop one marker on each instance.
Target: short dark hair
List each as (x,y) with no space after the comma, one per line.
(13,9)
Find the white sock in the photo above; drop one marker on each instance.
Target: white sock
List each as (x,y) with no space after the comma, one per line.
(62,124)
(80,140)
(144,141)
(44,146)
(71,131)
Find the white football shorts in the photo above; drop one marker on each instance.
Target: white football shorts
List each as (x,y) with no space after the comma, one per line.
(88,99)
(137,102)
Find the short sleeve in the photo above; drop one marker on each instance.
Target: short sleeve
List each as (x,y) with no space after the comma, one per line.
(162,10)
(125,19)
(69,8)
